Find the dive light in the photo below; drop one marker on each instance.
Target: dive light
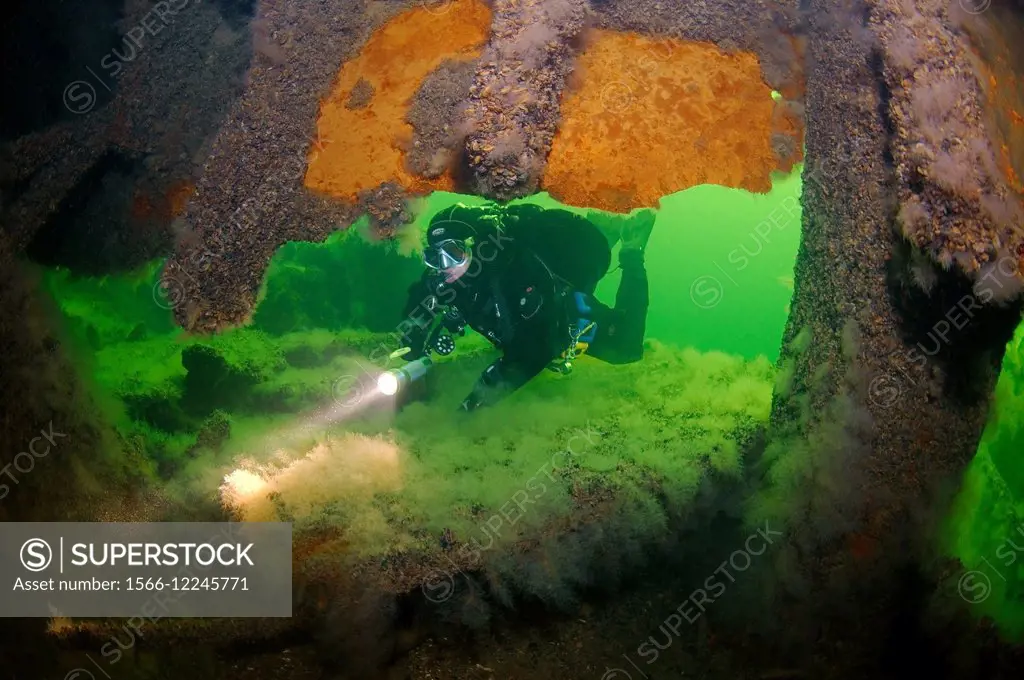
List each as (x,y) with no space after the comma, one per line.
(439,340)
(390,382)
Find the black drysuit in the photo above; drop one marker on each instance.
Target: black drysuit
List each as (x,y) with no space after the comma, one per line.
(522,304)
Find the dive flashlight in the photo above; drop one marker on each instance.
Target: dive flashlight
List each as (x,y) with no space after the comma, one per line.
(390,382)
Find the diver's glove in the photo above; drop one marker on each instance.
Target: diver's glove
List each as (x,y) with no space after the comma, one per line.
(481,395)
(471,403)
(415,338)
(486,390)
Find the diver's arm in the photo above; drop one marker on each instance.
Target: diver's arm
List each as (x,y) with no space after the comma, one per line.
(501,378)
(535,318)
(531,349)
(417,317)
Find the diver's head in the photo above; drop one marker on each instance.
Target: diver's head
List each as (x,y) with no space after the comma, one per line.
(449,256)
(450,240)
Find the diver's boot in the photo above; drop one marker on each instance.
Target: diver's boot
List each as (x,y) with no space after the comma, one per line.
(631,262)
(636,231)
(631,303)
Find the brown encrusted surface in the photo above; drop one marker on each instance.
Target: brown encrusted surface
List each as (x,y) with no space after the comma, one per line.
(956,201)
(513,109)
(889,428)
(57,158)
(434,114)
(167,98)
(250,199)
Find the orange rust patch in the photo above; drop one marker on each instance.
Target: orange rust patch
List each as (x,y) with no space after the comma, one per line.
(164,207)
(358,149)
(861,546)
(142,207)
(998,61)
(178,196)
(649,117)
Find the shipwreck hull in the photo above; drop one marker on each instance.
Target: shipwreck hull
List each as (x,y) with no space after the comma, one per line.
(892,349)
(892,375)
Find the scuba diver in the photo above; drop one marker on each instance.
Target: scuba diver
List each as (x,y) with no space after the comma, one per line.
(524,278)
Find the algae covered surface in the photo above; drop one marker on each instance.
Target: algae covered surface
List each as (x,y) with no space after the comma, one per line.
(659,426)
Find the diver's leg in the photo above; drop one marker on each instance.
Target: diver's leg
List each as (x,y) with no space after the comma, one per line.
(620,334)
(631,303)
(633,296)
(620,329)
